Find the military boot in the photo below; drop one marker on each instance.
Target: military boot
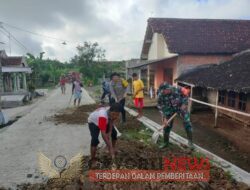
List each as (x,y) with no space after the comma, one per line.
(166,140)
(190,139)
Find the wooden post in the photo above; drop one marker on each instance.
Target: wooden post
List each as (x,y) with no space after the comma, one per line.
(139,73)
(216,109)
(190,101)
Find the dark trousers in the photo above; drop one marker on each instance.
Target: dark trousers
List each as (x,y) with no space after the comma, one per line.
(122,109)
(123,112)
(95,131)
(104,94)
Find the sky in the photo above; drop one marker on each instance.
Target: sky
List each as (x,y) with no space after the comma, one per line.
(117,25)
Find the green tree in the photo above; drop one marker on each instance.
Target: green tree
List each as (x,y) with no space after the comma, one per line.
(87,59)
(88,53)
(45,71)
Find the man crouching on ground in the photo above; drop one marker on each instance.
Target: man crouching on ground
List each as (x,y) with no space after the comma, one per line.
(103,120)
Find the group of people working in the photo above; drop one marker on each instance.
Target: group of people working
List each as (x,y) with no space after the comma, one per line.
(117,88)
(102,120)
(171,100)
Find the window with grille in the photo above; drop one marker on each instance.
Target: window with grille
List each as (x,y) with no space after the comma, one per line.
(231,99)
(242,101)
(222,97)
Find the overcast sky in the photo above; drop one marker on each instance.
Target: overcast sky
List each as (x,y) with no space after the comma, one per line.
(117,25)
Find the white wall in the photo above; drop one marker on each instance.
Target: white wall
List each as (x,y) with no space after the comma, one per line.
(158,48)
(152,54)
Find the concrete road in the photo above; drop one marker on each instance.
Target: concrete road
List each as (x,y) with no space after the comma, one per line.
(20,142)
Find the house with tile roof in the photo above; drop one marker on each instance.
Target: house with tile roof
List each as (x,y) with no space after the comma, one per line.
(14,70)
(13,79)
(174,46)
(226,85)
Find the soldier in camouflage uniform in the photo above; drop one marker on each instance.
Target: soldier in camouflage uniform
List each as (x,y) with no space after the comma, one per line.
(173,100)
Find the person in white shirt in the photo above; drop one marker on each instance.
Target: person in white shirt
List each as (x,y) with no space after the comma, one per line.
(102,120)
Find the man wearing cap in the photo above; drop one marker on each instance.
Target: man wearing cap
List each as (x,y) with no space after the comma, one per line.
(173,100)
(118,90)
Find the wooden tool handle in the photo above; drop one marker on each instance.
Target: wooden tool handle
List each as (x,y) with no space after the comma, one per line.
(169,120)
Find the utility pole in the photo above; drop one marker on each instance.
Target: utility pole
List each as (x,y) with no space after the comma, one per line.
(1,114)
(2,119)
(10,43)
(9,35)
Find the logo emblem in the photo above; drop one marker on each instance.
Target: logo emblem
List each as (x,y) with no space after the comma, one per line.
(62,169)
(60,162)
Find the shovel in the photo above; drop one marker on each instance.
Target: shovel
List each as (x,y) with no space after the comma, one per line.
(156,134)
(118,132)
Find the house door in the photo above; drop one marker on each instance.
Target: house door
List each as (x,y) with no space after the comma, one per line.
(168,75)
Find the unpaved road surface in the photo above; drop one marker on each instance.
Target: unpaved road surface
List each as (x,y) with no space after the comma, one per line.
(21,141)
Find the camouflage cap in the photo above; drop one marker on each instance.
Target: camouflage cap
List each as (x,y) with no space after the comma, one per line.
(164,85)
(165,88)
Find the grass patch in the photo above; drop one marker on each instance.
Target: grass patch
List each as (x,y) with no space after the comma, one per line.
(198,155)
(229,175)
(140,133)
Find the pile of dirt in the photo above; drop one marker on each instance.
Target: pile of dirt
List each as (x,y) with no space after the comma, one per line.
(134,154)
(138,156)
(77,115)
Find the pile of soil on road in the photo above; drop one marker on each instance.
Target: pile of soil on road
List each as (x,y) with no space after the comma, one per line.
(134,154)
(135,151)
(78,115)
(138,156)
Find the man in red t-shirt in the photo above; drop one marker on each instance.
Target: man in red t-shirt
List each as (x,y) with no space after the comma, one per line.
(62,84)
(102,120)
